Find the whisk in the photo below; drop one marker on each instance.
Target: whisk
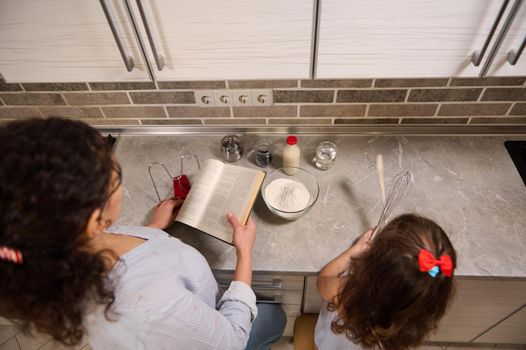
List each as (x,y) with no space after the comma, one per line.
(400,188)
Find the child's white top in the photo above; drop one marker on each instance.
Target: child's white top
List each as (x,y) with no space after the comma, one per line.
(324,337)
(167,298)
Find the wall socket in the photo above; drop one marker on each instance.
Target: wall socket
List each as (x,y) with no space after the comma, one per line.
(237,97)
(262,97)
(223,97)
(242,98)
(204,98)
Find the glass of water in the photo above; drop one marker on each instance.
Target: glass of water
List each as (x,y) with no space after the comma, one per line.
(325,155)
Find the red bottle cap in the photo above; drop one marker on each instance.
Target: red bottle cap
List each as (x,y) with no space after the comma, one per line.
(292,140)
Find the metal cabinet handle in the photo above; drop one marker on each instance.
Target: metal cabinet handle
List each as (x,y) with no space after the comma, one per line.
(513,56)
(477,56)
(500,38)
(276,299)
(276,284)
(159,60)
(128,60)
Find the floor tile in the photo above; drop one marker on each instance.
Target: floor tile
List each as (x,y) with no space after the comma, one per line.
(473,346)
(32,341)
(285,343)
(11,344)
(53,345)
(432,346)
(7,332)
(6,322)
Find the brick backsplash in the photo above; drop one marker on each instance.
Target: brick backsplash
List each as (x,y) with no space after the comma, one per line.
(372,95)
(385,83)
(32,99)
(519,109)
(96,98)
(438,101)
(303,96)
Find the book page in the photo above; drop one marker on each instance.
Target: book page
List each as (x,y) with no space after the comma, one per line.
(195,204)
(233,189)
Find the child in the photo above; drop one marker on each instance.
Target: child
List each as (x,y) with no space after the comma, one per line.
(68,271)
(389,293)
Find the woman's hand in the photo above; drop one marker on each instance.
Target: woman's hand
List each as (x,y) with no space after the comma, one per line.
(244,238)
(164,213)
(244,235)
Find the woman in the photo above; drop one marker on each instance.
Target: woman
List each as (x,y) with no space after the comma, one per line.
(66,269)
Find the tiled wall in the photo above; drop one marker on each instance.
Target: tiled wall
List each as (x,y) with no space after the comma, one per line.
(307,102)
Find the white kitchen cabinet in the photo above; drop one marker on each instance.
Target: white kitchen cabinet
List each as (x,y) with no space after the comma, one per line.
(238,39)
(286,289)
(512,42)
(72,40)
(313,301)
(66,41)
(403,38)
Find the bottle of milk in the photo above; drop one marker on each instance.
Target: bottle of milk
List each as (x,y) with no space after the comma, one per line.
(291,156)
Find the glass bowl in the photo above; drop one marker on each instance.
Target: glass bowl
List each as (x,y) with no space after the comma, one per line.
(304,194)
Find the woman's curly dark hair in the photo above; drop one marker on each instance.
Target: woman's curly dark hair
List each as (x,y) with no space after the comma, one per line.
(386,301)
(53,174)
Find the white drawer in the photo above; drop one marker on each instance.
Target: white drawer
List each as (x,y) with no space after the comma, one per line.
(313,299)
(286,290)
(262,281)
(289,328)
(291,300)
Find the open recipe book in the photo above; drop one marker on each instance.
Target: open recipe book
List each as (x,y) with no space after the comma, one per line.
(220,188)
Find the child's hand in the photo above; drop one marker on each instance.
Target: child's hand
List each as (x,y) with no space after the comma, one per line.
(244,235)
(164,213)
(362,243)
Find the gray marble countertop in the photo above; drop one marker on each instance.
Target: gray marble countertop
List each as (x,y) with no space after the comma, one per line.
(467,184)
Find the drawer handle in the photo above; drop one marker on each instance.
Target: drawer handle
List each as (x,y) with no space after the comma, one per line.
(513,56)
(477,56)
(128,60)
(276,299)
(500,38)
(159,60)
(275,284)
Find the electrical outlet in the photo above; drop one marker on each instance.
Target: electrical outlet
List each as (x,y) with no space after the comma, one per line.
(205,98)
(242,98)
(239,97)
(262,97)
(223,97)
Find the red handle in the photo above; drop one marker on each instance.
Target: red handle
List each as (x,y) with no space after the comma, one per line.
(181,186)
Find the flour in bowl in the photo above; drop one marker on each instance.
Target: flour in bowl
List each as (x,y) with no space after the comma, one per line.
(287,195)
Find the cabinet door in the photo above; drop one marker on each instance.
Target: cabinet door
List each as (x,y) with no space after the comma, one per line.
(238,39)
(274,288)
(512,42)
(313,301)
(66,41)
(510,331)
(478,306)
(402,38)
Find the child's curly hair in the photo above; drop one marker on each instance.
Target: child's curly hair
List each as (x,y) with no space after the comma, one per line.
(386,301)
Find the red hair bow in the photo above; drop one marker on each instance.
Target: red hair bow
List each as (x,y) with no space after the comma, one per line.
(427,263)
